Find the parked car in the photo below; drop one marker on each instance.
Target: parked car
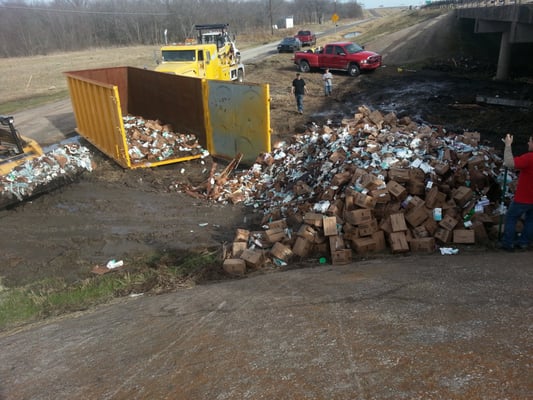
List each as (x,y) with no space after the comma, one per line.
(289,44)
(307,38)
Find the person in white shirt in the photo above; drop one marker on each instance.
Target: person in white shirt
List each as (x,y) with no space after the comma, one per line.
(328,82)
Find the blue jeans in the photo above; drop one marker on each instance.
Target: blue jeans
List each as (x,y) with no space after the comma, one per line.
(515,211)
(300,102)
(327,89)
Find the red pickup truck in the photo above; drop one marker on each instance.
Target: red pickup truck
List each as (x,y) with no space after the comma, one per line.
(306,37)
(343,56)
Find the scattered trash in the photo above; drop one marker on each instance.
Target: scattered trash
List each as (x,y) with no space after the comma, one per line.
(112,265)
(44,173)
(448,251)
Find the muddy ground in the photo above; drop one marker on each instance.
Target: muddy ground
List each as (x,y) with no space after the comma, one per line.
(132,215)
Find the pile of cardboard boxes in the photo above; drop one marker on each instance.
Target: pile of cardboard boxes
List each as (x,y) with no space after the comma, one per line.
(150,141)
(375,183)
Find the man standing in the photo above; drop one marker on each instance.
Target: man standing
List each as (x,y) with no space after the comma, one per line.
(299,90)
(328,81)
(522,203)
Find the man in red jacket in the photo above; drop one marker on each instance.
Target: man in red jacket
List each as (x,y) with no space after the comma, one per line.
(522,203)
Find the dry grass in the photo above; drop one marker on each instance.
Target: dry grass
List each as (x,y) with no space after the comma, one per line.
(29,81)
(26,77)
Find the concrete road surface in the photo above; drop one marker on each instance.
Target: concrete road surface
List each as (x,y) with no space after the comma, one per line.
(425,327)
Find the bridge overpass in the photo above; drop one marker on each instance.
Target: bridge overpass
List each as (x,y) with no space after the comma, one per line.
(513,20)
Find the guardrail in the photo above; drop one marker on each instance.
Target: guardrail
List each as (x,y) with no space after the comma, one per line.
(473,3)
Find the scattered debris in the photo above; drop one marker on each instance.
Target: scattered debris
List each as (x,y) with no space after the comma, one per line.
(44,173)
(149,140)
(375,182)
(112,265)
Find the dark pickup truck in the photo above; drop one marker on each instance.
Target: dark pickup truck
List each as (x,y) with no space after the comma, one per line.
(343,56)
(306,37)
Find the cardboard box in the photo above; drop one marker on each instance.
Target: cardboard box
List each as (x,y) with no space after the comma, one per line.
(420,232)
(359,216)
(379,238)
(416,187)
(281,251)
(280,223)
(307,232)
(462,195)
(275,235)
(330,226)
(397,222)
(448,222)
(422,245)
(431,226)
(441,168)
(396,190)
(336,208)
(234,266)
(414,202)
(254,258)
(380,195)
(364,201)
(343,256)
(328,194)
(237,248)
(364,245)
(399,175)
(480,232)
(443,235)
(341,178)
(302,247)
(314,219)
(398,242)
(465,236)
(336,243)
(368,228)
(417,216)
(241,235)
(434,198)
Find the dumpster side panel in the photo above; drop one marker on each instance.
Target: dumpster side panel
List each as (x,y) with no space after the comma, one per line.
(172,99)
(98,115)
(239,118)
(115,76)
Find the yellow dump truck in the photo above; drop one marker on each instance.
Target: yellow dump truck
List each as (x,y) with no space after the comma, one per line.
(213,56)
(227,118)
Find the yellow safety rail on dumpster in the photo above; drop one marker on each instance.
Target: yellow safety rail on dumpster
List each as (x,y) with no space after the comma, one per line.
(101,97)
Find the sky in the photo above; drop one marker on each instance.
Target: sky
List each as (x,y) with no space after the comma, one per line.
(389,3)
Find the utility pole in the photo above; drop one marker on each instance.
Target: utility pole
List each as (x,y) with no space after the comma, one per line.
(271,21)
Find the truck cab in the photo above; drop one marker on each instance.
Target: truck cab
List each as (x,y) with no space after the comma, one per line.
(214,56)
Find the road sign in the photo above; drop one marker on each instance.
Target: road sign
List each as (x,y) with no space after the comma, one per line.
(335,18)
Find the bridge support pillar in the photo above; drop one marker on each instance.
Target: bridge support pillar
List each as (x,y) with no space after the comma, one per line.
(504,58)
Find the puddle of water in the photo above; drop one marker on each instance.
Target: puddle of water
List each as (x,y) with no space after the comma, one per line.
(351,35)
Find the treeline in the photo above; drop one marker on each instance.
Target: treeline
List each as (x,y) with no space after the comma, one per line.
(30,28)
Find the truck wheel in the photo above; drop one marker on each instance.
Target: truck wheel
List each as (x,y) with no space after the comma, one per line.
(304,66)
(353,70)
(240,76)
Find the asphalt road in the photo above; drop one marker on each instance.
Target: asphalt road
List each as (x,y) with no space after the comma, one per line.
(426,327)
